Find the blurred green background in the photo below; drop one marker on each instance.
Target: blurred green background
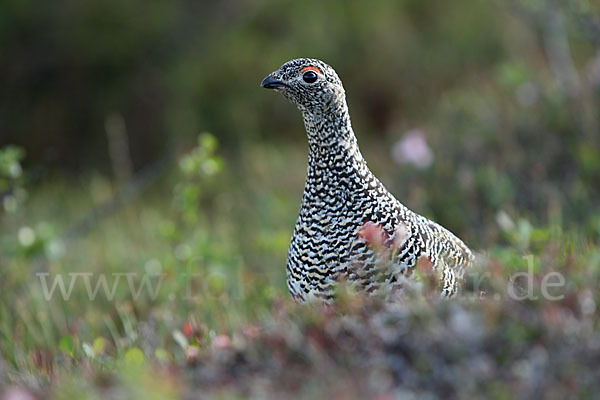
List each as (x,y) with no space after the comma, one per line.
(506,92)
(134,136)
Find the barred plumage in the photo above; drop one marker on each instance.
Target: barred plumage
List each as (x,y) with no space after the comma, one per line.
(341,195)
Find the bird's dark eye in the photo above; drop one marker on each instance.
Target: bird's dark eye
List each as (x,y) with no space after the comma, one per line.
(310,76)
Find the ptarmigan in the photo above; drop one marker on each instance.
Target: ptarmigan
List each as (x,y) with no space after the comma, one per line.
(345,208)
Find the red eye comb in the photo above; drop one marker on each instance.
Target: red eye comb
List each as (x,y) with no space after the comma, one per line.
(311,68)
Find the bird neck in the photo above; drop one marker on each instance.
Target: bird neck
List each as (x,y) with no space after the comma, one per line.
(330,132)
(333,155)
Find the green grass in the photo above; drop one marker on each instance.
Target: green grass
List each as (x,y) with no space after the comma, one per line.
(222,322)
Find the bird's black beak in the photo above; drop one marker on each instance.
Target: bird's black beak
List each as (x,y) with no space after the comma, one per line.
(271,83)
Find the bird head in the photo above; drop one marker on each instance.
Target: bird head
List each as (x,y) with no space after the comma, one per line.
(310,84)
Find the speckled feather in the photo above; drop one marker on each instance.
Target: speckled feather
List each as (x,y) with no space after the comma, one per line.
(341,195)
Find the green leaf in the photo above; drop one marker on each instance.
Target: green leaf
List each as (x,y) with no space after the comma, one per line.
(161,355)
(67,345)
(134,356)
(99,345)
(208,142)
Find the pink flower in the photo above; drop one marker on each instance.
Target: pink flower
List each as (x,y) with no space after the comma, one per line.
(17,393)
(221,341)
(373,234)
(413,149)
